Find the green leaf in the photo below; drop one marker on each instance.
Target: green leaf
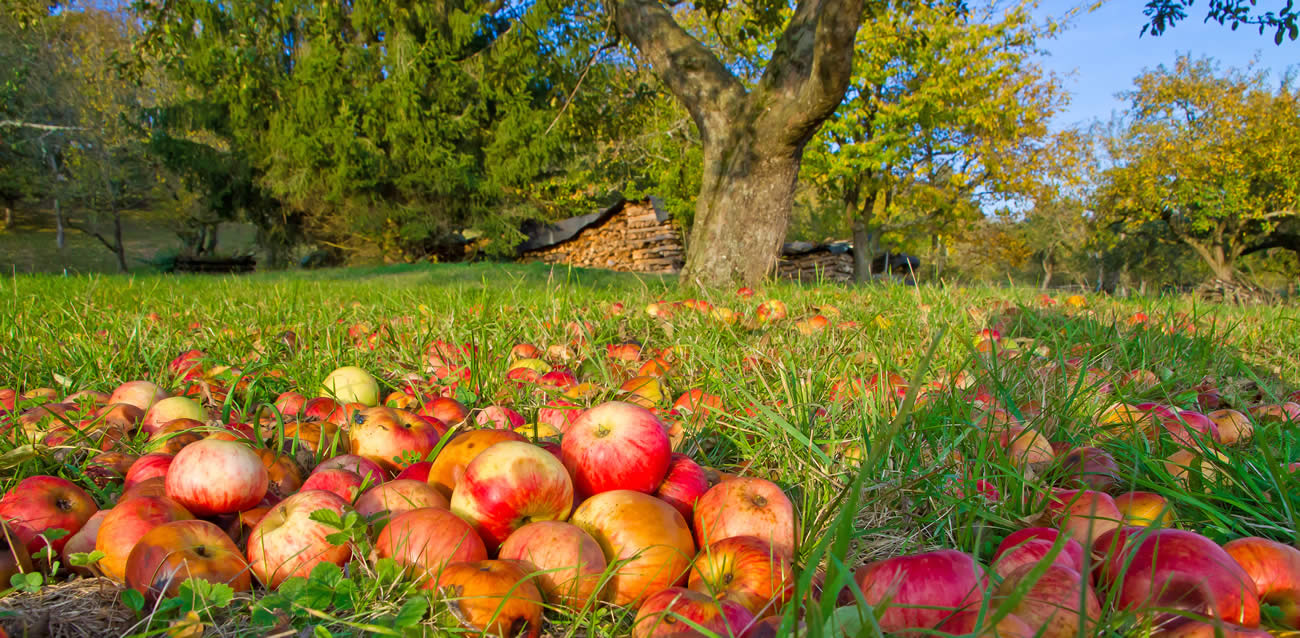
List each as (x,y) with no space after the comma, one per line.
(319,631)
(133,599)
(328,517)
(412,612)
(214,595)
(327,574)
(29,582)
(85,559)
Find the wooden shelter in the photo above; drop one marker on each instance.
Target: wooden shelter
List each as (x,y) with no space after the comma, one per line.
(631,236)
(833,261)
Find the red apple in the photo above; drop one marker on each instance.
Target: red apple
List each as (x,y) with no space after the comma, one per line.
(499,417)
(746,570)
(1083,514)
(127,523)
(343,483)
(648,537)
(746,507)
(922,589)
(1089,468)
(175,552)
(83,542)
(40,503)
(1275,569)
(1192,628)
(676,611)
(390,437)
(217,477)
(287,542)
(494,597)
(569,563)
(289,404)
(446,410)
(450,464)
(1059,602)
(617,446)
(684,484)
(416,472)
(510,485)
(396,497)
(1032,545)
(359,465)
(428,538)
(146,467)
(559,414)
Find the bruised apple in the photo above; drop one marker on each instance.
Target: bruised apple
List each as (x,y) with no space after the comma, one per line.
(648,536)
(175,552)
(449,466)
(494,597)
(389,437)
(127,523)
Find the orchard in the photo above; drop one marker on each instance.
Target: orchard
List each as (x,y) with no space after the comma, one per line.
(289,455)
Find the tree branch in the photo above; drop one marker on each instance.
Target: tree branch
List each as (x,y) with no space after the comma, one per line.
(38,127)
(710,92)
(95,234)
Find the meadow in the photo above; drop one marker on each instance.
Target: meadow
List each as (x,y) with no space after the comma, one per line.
(885,423)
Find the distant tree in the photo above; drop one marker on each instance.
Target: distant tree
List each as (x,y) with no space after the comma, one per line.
(1055,230)
(1210,158)
(1165,14)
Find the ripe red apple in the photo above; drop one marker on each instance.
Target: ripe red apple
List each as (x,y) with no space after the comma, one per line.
(499,417)
(1145,509)
(127,523)
(1187,427)
(382,502)
(360,465)
(1275,568)
(416,472)
(649,536)
(175,552)
(684,484)
(569,563)
(922,589)
(746,570)
(146,467)
(965,623)
(323,409)
(428,538)
(1032,545)
(746,507)
(617,446)
(140,394)
(494,597)
(40,503)
(170,409)
(449,466)
(1059,603)
(676,611)
(1089,468)
(217,477)
(510,485)
(83,542)
(559,414)
(287,542)
(446,410)
(389,437)
(289,404)
(1083,514)
(343,483)
(1192,628)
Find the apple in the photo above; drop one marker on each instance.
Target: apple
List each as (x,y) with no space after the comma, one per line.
(1059,601)
(127,523)
(146,467)
(416,472)
(617,446)
(510,485)
(390,437)
(1090,468)
(156,486)
(499,417)
(451,461)
(119,415)
(446,410)
(1275,569)
(676,611)
(217,477)
(1025,447)
(39,503)
(1286,412)
(170,409)
(1187,464)
(83,542)
(173,436)
(1083,514)
(109,467)
(1192,628)
(175,552)
(283,473)
(323,409)
(1189,429)
(140,394)
(646,392)
(1144,509)
(14,557)
(647,537)
(921,589)
(967,623)
(558,379)
(746,507)
(1030,546)
(684,484)
(289,404)
(427,539)
(771,310)
(524,351)
(559,414)
(346,484)
(351,384)
(1172,569)
(288,543)
(745,570)
(1233,426)
(494,597)
(382,502)
(568,562)
(360,465)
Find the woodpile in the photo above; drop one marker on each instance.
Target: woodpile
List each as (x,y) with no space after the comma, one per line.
(635,238)
(816,266)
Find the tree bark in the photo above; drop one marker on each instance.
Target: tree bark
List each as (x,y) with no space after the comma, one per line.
(9,218)
(119,248)
(753,139)
(1047,274)
(59,239)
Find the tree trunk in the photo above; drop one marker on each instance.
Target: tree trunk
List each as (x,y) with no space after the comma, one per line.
(119,247)
(213,233)
(58,224)
(9,218)
(1047,274)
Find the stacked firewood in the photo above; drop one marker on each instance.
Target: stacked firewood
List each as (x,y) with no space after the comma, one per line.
(632,240)
(818,265)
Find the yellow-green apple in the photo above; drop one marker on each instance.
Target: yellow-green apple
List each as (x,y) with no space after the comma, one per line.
(1275,568)
(510,485)
(499,417)
(1089,468)
(217,477)
(170,409)
(141,394)
(382,502)
(14,557)
(746,506)
(1174,570)
(617,446)
(1233,426)
(287,542)
(1083,514)
(451,461)
(345,484)
(745,570)
(351,384)
(647,537)
(148,466)
(1145,509)
(1031,546)
(921,590)
(40,503)
(1059,602)
(127,523)
(676,611)
(389,437)
(494,597)
(568,562)
(684,484)
(428,538)
(175,552)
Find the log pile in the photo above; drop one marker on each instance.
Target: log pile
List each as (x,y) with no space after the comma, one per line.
(821,265)
(632,240)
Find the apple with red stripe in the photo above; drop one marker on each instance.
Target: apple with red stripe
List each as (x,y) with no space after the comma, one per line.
(617,446)
(217,477)
(510,485)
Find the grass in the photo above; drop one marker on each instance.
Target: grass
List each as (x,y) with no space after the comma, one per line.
(872,474)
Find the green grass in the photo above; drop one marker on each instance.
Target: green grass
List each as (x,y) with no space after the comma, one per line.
(897,496)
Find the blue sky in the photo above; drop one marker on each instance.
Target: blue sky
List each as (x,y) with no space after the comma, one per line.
(1103,52)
